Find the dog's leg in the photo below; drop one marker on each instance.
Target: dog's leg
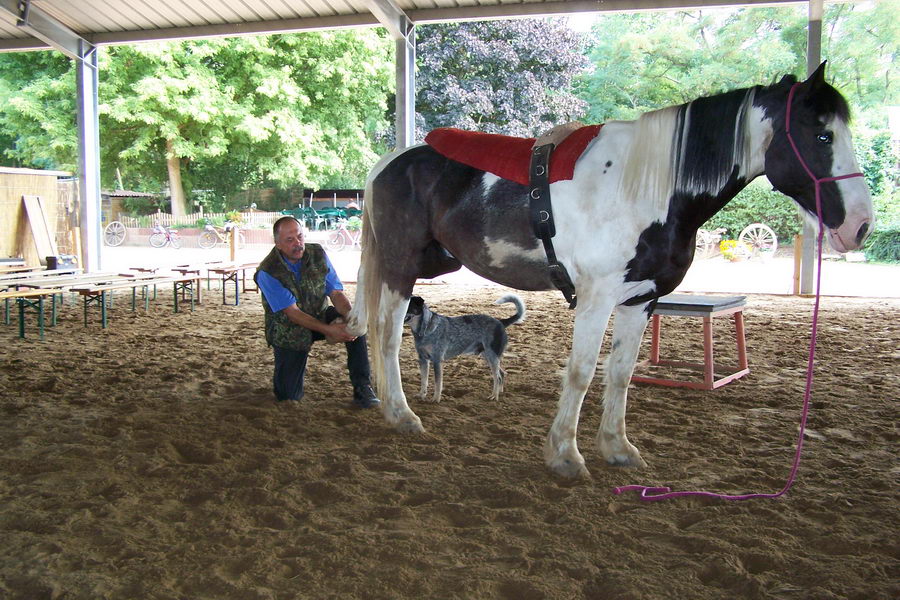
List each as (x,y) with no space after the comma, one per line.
(591,318)
(626,343)
(438,380)
(423,377)
(493,363)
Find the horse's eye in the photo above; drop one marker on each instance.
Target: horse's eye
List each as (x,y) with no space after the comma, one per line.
(826,137)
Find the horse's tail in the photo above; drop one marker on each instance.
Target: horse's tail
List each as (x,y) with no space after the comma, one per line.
(520,309)
(363,318)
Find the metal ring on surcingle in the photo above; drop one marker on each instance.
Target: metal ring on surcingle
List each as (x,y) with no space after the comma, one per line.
(535,193)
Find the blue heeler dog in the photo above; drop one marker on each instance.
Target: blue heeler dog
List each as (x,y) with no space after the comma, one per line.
(439,338)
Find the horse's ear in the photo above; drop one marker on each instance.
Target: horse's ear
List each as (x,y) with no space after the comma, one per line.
(817,79)
(788,80)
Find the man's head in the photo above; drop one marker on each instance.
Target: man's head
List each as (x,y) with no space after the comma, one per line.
(289,238)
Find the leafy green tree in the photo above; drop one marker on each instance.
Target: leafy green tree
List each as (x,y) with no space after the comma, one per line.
(214,114)
(644,61)
(512,77)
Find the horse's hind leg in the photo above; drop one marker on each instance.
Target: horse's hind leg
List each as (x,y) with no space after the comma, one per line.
(561,451)
(627,332)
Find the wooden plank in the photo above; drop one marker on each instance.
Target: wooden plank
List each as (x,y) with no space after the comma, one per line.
(40,228)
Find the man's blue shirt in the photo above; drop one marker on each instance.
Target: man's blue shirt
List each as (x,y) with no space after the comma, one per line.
(279,297)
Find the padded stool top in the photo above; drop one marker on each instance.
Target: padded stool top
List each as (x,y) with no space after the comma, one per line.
(689,304)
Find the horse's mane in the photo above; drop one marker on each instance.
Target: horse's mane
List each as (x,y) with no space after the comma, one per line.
(688,148)
(710,141)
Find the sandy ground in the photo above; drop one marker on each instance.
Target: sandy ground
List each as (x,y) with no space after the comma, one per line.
(148,460)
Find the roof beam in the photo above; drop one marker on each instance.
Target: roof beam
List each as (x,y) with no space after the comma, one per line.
(37,23)
(392,17)
(566,7)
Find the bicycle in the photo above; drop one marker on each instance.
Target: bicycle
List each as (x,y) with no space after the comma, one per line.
(213,235)
(114,233)
(342,238)
(164,235)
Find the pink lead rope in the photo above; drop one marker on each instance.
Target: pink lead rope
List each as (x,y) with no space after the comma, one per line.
(651,494)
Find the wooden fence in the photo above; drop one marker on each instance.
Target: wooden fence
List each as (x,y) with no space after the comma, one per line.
(249,220)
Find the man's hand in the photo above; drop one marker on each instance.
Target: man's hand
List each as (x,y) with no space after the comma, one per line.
(336,331)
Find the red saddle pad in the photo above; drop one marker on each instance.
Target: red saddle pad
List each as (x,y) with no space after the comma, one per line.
(507,156)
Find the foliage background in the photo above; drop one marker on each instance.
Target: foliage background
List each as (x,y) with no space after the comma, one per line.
(314,110)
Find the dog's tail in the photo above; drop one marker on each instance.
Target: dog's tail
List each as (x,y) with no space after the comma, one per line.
(520,309)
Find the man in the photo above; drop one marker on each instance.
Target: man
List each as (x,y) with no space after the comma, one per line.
(296,281)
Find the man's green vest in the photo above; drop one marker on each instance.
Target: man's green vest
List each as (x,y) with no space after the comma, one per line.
(309,291)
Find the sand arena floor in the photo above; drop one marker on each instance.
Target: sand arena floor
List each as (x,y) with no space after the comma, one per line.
(148,461)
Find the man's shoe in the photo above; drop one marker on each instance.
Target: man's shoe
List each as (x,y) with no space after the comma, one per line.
(364,397)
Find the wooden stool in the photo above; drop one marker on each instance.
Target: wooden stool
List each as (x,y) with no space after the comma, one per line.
(705,307)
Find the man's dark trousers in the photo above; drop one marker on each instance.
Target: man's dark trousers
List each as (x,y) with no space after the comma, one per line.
(290,365)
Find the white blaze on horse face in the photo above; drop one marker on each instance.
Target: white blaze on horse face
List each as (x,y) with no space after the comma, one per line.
(854,191)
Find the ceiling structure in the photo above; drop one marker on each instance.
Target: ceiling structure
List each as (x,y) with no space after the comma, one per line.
(127,21)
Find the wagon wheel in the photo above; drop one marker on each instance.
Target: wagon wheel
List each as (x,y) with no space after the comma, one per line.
(703,244)
(760,238)
(114,234)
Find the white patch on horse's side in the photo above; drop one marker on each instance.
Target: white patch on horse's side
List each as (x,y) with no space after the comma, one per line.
(487,182)
(500,252)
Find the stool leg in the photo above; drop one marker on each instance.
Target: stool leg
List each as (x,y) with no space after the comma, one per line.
(708,366)
(654,340)
(741,342)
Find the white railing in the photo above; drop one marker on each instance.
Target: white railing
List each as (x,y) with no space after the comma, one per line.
(249,220)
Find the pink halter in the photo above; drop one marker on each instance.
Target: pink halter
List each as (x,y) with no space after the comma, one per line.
(650,494)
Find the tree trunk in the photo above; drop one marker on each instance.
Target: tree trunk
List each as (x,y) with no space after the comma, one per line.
(173,164)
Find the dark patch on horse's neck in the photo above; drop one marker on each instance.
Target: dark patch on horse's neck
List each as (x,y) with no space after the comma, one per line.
(664,251)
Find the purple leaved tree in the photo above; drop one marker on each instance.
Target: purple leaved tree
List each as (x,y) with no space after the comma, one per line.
(512,77)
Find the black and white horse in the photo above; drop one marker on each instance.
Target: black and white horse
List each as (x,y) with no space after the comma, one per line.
(625,228)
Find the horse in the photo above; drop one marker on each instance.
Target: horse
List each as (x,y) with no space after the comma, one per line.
(626,224)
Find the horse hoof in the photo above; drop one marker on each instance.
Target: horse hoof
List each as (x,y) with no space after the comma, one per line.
(410,424)
(569,469)
(626,460)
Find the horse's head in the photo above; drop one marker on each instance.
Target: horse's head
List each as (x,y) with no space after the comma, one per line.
(814,116)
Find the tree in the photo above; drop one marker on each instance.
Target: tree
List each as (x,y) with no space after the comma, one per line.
(512,77)
(214,114)
(645,61)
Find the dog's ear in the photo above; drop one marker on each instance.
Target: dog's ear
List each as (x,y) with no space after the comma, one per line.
(416,301)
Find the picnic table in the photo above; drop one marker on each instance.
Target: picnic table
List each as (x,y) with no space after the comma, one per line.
(31,292)
(29,298)
(101,293)
(230,273)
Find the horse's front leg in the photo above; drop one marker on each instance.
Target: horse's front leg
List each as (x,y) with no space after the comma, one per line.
(561,451)
(395,408)
(628,330)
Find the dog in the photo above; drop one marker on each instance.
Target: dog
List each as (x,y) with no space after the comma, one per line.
(439,338)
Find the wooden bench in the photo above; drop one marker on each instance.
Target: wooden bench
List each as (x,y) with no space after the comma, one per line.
(101,294)
(29,298)
(706,308)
